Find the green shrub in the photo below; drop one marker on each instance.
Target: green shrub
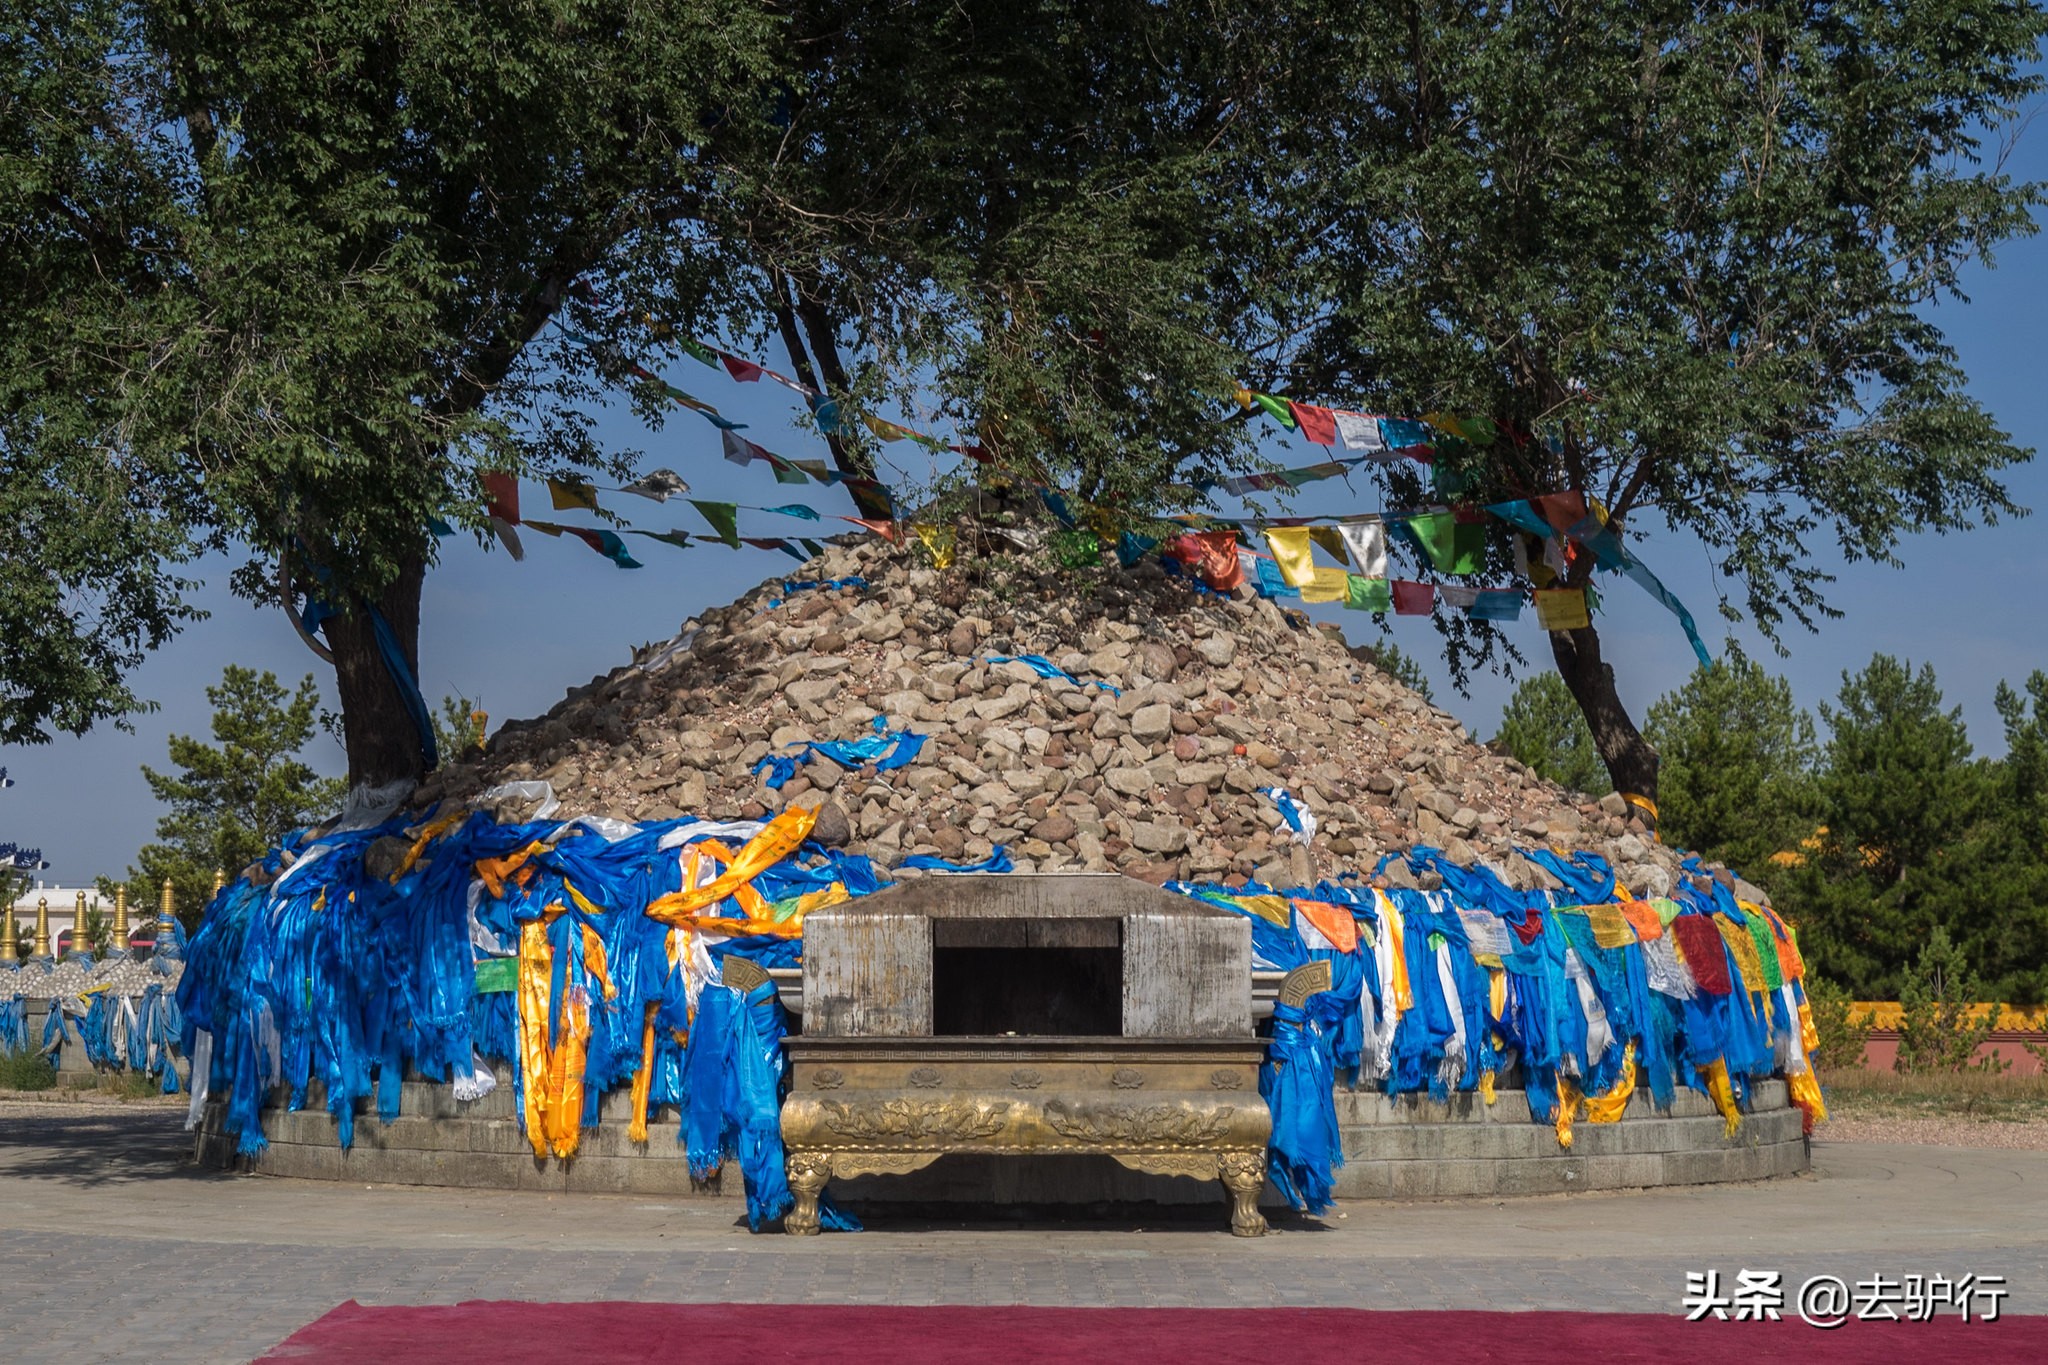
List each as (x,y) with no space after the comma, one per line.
(1842,1037)
(1936,1033)
(26,1071)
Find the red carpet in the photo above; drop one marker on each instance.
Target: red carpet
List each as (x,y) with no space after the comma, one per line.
(717,1333)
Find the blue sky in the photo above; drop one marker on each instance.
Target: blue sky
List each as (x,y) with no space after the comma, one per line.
(515,636)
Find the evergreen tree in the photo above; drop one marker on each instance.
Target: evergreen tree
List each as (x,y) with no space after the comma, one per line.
(231,800)
(1737,755)
(1544,728)
(2006,872)
(1899,800)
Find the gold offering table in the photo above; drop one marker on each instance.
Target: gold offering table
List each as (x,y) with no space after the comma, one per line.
(1025,1015)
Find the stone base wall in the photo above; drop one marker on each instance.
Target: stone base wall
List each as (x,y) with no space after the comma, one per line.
(440,1140)
(1417,1148)
(1405,1148)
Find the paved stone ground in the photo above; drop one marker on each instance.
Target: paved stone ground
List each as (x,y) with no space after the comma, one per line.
(112,1247)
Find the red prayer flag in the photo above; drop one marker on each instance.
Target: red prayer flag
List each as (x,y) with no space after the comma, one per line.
(1705,954)
(1213,557)
(1562,510)
(1318,424)
(1412,598)
(746,371)
(501,498)
(885,529)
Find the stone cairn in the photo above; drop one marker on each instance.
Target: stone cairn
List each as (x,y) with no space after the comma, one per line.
(1218,697)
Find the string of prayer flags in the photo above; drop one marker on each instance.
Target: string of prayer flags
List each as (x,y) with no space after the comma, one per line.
(1290,547)
(1412,598)
(657,484)
(1497,604)
(606,543)
(794,509)
(1367,543)
(1562,609)
(572,495)
(1367,594)
(723,518)
(1326,585)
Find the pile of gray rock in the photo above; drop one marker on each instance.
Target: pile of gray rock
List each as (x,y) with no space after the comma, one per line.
(1217,699)
(121,974)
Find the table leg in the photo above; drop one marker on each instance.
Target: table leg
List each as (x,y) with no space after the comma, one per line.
(1244,1175)
(808,1172)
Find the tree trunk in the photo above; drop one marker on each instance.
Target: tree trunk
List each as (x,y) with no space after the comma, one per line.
(1631,760)
(383,740)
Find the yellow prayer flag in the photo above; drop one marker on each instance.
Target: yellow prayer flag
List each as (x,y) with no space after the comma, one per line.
(1326,585)
(1330,539)
(1290,546)
(568,496)
(1562,609)
(938,543)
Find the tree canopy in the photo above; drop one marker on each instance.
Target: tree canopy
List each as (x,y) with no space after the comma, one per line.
(1679,255)
(285,278)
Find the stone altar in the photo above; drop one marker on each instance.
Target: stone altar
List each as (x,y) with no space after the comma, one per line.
(1026,1015)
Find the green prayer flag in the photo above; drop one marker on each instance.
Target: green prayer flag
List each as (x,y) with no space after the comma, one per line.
(1276,408)
(697,350)
(1452,547)
(497,975)
(1077,549)
(786,471)
(1368,594)
(724,518)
